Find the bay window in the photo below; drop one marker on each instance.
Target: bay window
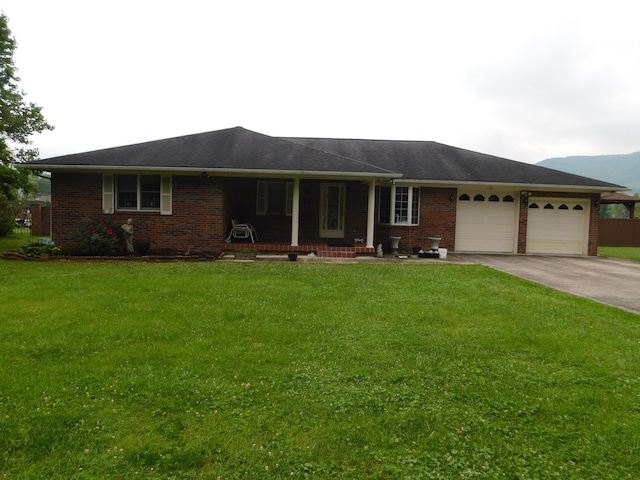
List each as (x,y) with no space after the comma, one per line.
(399,205)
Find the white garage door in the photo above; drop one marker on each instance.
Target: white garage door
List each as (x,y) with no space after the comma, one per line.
(486,222)
(558,225)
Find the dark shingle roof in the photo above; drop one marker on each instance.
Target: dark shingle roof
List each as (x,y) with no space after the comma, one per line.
(239,150)
(432,161)
(234,149)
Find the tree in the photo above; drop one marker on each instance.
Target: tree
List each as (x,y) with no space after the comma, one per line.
(18,121)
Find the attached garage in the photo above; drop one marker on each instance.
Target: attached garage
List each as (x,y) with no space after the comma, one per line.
(486,222)
(558,225)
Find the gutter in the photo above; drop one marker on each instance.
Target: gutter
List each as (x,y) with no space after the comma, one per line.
(212,171)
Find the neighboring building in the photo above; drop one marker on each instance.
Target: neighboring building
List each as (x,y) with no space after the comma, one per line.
(309,194)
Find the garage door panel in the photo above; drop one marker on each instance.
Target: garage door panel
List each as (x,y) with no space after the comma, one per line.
(483,226)
(557,230)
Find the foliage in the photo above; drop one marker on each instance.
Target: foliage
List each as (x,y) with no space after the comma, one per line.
(7,222)
(18,121)
(141,247)
(324,371)
(97,237)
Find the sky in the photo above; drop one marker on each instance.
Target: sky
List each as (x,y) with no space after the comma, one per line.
(524,80)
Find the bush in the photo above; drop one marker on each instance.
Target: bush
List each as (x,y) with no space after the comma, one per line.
(142,246)
(98,237)
(7,223)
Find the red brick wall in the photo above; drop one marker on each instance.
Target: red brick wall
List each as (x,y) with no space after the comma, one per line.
(198,221)
(203,207)
(437,219)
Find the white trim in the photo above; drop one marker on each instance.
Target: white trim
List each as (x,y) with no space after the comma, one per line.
(108,194)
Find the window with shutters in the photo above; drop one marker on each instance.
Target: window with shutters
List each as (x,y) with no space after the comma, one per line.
(136,192)
(274,198)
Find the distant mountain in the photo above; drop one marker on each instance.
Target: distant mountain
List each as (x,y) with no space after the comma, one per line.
(618,169)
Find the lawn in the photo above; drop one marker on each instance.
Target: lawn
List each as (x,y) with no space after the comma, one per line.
(632,253)
(294,370)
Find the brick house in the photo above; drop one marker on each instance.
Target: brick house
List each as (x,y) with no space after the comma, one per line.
(332,196)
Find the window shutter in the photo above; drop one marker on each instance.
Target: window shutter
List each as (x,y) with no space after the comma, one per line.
(107,194)
(165,196)
(261,198)
(288,209)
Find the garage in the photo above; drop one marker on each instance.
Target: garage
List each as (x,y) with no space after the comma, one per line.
(486,222)
(558,225)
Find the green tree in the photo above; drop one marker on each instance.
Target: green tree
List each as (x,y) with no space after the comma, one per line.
(19,119)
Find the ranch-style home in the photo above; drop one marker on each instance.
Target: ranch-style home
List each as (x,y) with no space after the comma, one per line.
(335,197)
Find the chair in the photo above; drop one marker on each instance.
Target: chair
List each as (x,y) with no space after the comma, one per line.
(243,230)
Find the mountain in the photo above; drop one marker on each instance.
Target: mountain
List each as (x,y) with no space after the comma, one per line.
(618,169)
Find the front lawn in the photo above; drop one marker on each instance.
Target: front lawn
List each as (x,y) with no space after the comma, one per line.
(297,370)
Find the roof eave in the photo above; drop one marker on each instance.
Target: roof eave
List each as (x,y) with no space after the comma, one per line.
(212,171)
(520,186)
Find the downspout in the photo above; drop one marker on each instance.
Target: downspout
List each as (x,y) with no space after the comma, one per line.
(295,213)
(371,206)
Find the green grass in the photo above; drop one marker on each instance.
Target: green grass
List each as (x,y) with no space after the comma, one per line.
(632,253)
(293,370)
(12,242)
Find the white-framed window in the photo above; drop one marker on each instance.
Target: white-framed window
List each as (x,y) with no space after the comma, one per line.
(274,198)
(136,193)
(399,205)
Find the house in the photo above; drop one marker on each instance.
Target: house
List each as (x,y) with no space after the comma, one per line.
(333,196)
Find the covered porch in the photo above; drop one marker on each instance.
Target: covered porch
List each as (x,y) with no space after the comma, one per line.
(331,217)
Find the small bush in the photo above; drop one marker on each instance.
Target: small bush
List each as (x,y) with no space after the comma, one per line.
(6,224)
(98,237)
(142,246)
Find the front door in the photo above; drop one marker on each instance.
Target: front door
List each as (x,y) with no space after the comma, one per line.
(332,204)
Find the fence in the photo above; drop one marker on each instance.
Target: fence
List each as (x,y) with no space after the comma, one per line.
(619,232)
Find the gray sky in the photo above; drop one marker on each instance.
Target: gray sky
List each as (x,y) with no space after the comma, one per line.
(525,80)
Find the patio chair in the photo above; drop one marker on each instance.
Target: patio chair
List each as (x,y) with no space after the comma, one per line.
(243,230)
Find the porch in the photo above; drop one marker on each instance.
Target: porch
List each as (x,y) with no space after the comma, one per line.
(321,249)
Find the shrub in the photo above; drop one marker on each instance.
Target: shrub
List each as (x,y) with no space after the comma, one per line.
(141,246)
(98,237)
(7,223)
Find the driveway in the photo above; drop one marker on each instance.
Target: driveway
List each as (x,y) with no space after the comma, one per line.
(610,281)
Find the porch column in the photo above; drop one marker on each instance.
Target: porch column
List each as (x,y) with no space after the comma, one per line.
(295,213)
(371,214)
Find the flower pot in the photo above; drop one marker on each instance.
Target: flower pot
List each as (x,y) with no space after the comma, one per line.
(292,256)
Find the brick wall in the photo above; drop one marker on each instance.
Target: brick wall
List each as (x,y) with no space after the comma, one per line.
(437,219)
(198,221)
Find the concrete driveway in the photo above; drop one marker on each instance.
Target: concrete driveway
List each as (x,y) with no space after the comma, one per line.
(610,281)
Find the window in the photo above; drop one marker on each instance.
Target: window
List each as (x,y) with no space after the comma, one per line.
(399,205)
(274,198)
(136,192)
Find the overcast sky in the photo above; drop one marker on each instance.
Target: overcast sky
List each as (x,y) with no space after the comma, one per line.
(525,80)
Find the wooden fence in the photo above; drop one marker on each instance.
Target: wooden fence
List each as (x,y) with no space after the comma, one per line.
(619,232)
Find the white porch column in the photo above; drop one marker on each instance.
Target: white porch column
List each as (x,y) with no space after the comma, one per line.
(295,213)
(371,214)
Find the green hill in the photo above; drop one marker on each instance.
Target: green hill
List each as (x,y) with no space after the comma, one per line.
(618,169)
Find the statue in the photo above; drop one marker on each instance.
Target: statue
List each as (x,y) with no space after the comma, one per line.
(379,251)
(128,235)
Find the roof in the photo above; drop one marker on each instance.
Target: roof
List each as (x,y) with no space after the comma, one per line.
(241,151)
(615,197)
(436,162)
(230,150)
